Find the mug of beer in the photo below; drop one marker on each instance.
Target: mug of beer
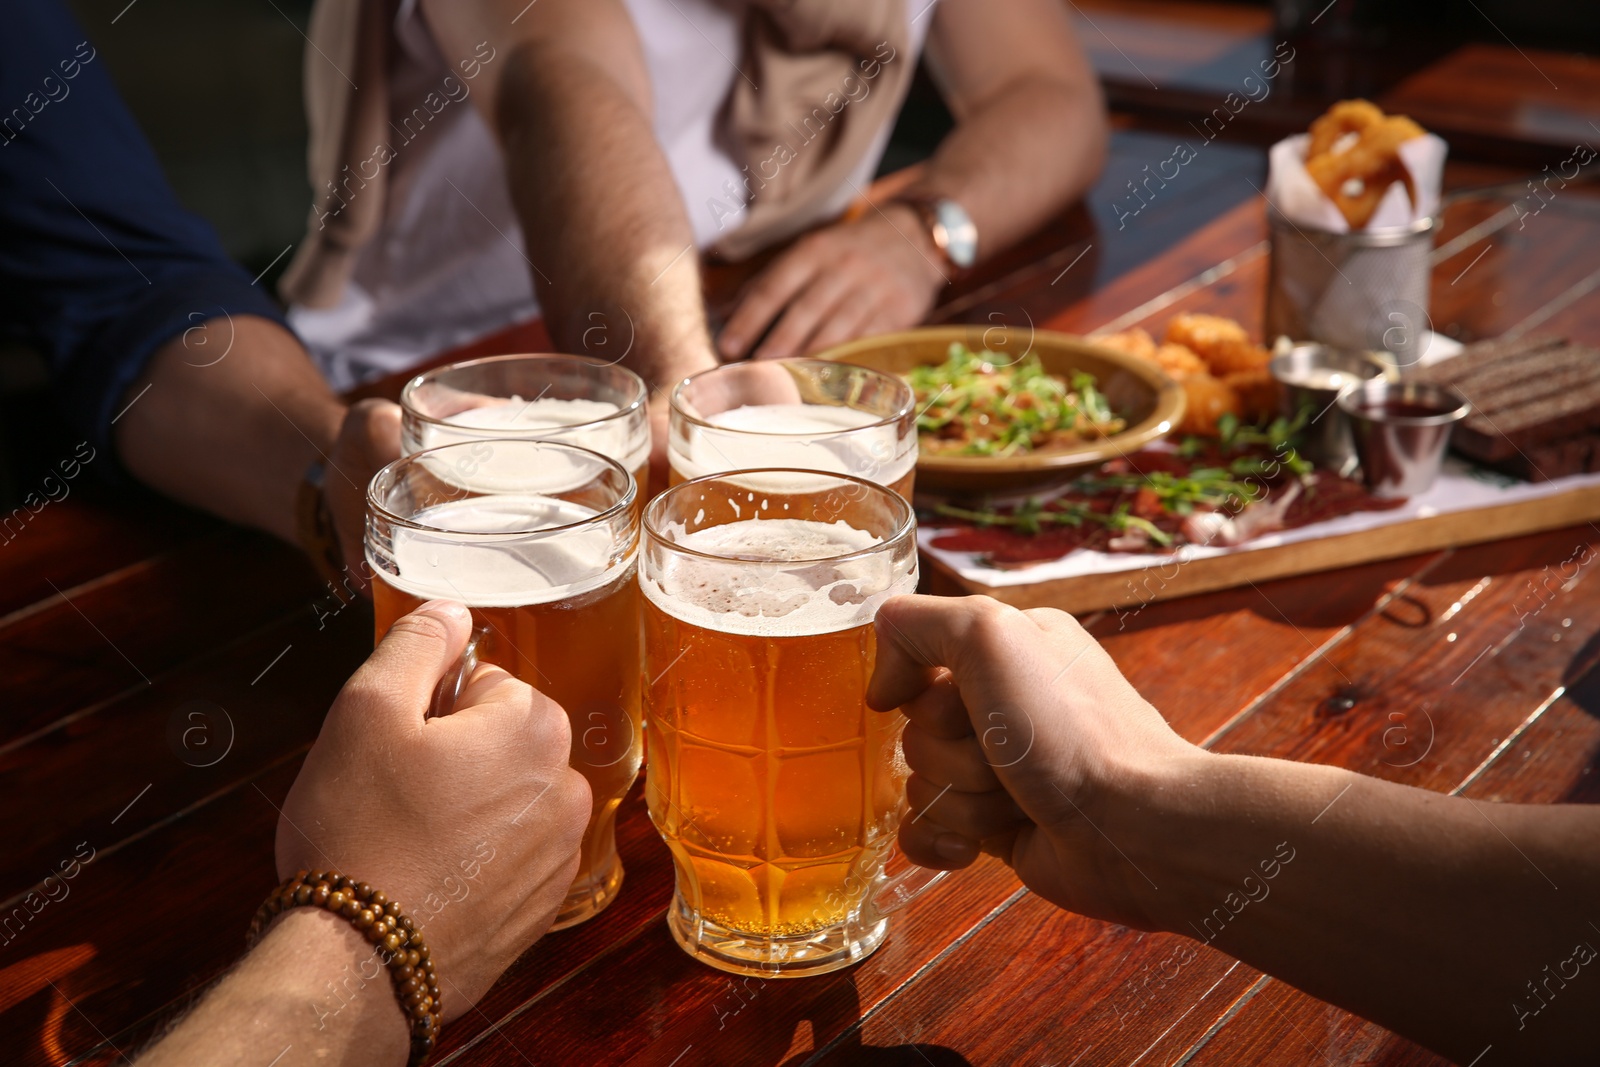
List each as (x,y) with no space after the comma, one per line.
(806,413)
(575,399)
(777,790)
(539,539)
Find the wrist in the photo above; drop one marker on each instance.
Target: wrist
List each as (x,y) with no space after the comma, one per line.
(908,222)
(329,966)
(1214,831)
(1161,814)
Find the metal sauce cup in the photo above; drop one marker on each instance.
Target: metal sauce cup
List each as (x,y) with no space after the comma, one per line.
(1313,376)
(1401,430)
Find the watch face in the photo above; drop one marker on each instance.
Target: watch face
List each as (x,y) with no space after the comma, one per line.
(961,235)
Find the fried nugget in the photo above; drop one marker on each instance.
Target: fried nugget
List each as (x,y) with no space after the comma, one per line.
(1257,392)
(1179,362)
(1222,343)
(1207,400)
(1134,342)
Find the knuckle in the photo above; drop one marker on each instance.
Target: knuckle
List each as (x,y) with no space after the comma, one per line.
(548,720)
(423,625)
(989,620)
(361,691)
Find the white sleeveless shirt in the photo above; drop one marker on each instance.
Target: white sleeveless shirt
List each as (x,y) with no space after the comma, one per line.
(447,264)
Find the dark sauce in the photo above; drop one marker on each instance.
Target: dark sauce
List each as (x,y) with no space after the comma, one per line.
(1403,409)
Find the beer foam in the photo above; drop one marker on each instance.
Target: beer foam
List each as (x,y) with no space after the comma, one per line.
(790,598)
(808,436)
(625,440)
(512,571)
(793,418)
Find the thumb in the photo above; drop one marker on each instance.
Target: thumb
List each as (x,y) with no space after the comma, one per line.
(404,670)
(919,633)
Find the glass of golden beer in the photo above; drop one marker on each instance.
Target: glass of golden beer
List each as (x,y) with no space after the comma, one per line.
(540,540)
(805,413)
(575,399)
(777,790)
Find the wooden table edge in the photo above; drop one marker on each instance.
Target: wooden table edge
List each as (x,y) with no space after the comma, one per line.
(1121,588)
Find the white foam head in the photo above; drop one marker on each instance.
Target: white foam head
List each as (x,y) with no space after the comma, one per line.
(510,570)
(593,423)
(535,467)
(787,583)
(805,436)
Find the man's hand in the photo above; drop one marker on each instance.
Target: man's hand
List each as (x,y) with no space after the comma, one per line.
(852,279)
(368,441)
(471,820)
(1022,735)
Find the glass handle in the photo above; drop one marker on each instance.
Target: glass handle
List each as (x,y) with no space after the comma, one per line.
(901,889)
(455,679)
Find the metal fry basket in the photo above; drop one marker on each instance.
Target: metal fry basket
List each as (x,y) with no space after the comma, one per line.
(1363,290)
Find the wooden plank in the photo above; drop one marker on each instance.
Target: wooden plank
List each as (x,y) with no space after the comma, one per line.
(1095,592)
(75,651)
(1237,645)
(1044,986)
(1282,1026)
(86,535)
(220,721)
(1504,102)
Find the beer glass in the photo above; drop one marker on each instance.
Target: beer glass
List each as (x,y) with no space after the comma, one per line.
(540,540)
(777,790)
(574,399)
(804,413)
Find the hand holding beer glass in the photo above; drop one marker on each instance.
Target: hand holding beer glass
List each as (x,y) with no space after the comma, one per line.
(801,413)
(777,790)
(538,539)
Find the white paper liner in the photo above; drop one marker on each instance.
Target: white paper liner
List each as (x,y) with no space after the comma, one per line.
(1461,487)
(1291,190)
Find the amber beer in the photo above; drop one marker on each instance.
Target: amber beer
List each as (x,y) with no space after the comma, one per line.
(548,572)
(801,413)
(775,787)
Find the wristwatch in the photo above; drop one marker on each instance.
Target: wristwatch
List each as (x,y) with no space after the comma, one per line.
(952,230)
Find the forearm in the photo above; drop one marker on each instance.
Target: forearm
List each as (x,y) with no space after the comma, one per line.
(227,418)
(1016,159)
(303,994)
(1427,913)
(601,214)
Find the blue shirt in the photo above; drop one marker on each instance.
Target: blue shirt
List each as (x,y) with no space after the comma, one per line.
(100,265)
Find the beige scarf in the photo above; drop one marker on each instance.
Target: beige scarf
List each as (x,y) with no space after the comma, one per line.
(818,80)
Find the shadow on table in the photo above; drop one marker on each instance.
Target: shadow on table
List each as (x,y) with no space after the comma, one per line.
(768,1027)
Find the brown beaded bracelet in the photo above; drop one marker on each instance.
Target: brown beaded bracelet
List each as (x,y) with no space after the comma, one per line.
(398,941)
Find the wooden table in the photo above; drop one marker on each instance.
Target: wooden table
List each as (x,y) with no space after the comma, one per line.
(164,675)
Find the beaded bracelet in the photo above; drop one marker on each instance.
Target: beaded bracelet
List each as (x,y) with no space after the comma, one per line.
(399,943)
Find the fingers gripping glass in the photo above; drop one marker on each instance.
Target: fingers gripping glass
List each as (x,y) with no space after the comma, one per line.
(777,790)
(448,692)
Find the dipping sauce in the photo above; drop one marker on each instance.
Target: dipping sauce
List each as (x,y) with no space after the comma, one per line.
(1321,378)
(1387,410)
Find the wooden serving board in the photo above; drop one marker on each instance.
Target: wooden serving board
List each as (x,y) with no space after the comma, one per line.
(1097,592)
